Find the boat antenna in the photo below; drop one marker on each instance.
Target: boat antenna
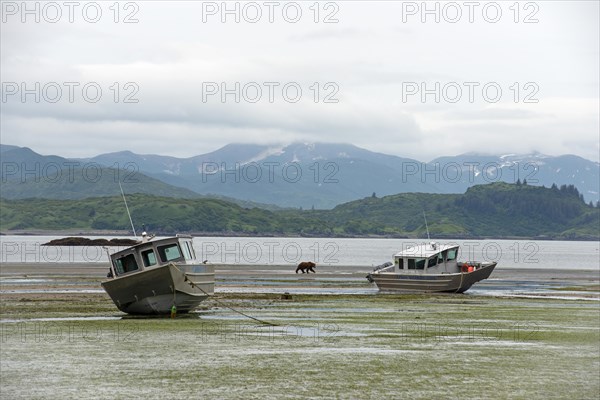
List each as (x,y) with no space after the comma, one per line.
(426,227)
(127,208)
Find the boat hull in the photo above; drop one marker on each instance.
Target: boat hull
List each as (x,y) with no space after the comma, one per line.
(418,283)
(156,290)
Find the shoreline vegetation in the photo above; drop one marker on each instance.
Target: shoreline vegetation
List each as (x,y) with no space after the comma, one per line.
(496,210)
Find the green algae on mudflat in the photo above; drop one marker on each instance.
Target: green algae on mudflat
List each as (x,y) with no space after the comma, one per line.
(323,346)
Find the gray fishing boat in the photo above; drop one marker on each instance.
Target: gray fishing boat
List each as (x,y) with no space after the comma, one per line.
(429,267)
(155,275)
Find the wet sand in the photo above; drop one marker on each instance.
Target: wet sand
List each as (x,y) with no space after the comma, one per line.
(281,278)
(99,270)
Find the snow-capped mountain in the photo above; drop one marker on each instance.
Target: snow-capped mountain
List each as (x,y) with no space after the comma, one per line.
(323,175)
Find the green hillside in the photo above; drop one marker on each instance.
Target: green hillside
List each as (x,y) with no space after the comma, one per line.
(494,210)
(79,183)
(158,214)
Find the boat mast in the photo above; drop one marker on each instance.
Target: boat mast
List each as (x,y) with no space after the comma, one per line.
(426,227)
(127,208)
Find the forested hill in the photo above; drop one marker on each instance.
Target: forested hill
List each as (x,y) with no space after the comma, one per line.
(495,210)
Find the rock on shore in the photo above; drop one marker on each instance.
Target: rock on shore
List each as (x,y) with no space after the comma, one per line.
(81,241)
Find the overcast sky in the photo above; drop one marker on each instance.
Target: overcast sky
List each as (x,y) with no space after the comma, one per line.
(511,80)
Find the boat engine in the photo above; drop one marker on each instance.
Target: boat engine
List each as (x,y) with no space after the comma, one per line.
(382,266)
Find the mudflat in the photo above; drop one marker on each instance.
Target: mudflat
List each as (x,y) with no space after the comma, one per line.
(99,270)
(524,333)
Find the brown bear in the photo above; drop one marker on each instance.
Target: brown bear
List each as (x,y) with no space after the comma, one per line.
(306,266)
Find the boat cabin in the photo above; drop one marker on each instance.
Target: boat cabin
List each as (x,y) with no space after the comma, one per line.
(427,258)
(152,254)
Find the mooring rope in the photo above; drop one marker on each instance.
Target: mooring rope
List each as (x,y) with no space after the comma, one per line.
(221,303)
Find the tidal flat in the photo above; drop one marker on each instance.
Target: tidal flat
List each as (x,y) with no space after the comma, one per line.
(66,339)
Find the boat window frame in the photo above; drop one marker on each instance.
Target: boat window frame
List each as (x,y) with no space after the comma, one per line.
(146,260)
(162,254)
(442,256)
(399,262)
(187,254)
(430,260)
(453,249)
(191,244)
(120,268)
(415,263)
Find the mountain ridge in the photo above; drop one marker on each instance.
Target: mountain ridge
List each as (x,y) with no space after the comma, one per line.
(27,174)
(323,175)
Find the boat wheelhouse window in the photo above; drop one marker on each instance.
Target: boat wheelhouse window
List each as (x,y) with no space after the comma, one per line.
(125,264)
(416,263)
(185,246)
(399,262)
(451,254)
(192,252)
(149,257)
(441,257)
(169,252)
(432,262)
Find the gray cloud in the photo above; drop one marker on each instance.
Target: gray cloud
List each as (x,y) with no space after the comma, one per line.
(370,55)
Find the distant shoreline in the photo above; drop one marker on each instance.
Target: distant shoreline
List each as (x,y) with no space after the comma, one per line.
(105,233)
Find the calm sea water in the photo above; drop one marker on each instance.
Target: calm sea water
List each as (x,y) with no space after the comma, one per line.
(325,251)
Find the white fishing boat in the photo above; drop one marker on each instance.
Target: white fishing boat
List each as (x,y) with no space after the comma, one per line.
(154,276)
(430,267)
